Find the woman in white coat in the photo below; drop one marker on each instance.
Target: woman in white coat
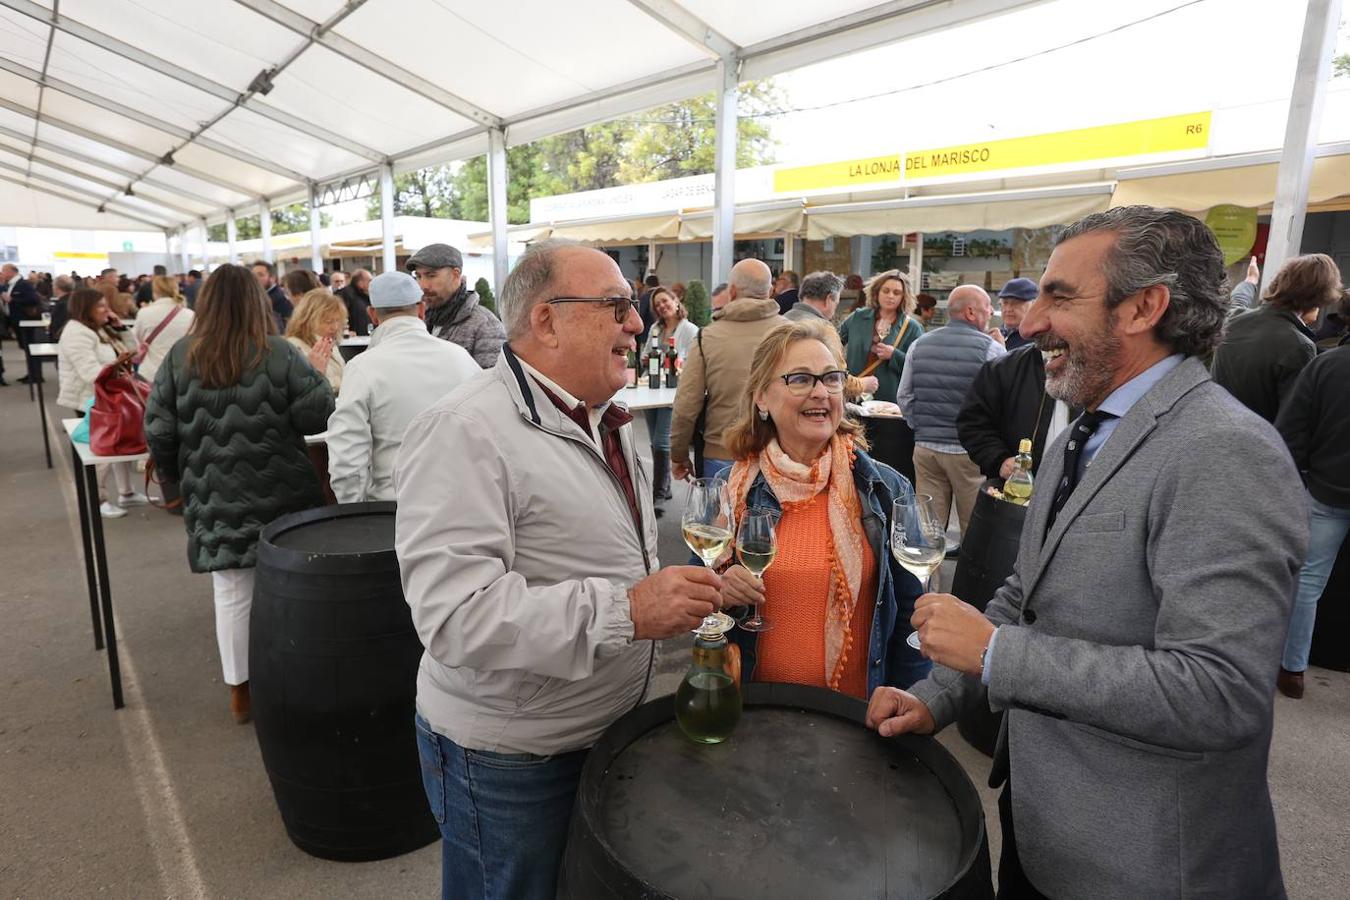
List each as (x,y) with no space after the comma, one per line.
(87,345)
(167,299)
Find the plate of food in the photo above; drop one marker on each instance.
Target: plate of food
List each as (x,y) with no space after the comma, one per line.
(881,408)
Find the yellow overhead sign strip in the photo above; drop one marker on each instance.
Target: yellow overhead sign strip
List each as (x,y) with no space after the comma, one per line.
(1126,139)
(70,254)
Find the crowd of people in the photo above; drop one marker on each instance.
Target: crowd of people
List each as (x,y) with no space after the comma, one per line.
(1136,650)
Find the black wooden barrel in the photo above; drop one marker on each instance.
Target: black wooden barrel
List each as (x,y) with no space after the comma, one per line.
(1331,635)
(801,801)
(333,673)
(988,552)
(892,441)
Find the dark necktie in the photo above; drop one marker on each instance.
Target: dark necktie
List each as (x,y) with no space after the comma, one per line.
(1079,432)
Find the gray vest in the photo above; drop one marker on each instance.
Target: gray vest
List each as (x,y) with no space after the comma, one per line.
(944,363)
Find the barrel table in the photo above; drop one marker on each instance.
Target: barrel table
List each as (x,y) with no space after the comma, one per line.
(892,442)
(1331,635)
(988,553)
(333,660)
(801,801)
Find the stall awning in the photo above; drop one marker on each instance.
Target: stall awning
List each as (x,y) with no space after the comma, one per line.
(482,240)
(621,228)
(994,210)
(769,219)
(1197,186)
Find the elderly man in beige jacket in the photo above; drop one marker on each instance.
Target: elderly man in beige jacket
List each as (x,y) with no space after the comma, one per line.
(527,544)
(718,367)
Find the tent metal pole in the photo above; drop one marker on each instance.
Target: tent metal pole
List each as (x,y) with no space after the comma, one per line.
(1300,135)
(232,237)
(497,206)
(916,263)
(265,226)
(183,250)
(724,172)
(388,258)
(315,256)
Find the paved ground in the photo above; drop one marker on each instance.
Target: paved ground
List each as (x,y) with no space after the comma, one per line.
(167,798)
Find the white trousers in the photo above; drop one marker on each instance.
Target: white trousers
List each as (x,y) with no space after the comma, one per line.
(234,599)
(116,480)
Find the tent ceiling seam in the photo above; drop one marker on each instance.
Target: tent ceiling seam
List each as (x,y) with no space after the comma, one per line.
(680,21)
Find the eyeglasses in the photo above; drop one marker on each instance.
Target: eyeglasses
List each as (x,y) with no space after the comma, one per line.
(799,384)
(621,304)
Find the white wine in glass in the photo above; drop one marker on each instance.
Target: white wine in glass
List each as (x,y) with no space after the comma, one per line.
(757,545)
(918,542)
(708,523)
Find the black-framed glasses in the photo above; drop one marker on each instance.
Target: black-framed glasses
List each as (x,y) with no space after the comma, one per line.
(800,384)
(621,304)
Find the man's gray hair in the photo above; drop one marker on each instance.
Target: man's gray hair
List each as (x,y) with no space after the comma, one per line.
(719,289)
(528,283)
(64,283)
(1163,246)
(748,285)
(820,286)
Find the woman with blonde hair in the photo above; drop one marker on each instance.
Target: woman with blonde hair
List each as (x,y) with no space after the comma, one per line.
(227,419)
(168,309)
(315,328)
(672,323)
(878,335)
(838,603)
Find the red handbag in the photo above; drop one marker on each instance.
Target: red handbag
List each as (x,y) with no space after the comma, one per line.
(117,418)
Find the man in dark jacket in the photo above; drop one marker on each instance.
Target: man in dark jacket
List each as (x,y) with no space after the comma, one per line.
(453,313)
(1006,403)
(24,303)
(1016,295)
(64,285)
(1315,423)
(787,296)
(645,306)
(1264,350)
(266,273)
(356,297)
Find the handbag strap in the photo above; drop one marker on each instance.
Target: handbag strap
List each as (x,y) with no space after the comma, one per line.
(162,325)
(872,367)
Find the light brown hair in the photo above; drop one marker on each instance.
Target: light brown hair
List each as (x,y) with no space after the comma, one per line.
(166,286)
(1305,283)
(229,334)
(299,282)
(751,434)
(680,311)
(874,290)
(310,311)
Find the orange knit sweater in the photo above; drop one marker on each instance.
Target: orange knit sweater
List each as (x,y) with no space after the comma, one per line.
(797,591)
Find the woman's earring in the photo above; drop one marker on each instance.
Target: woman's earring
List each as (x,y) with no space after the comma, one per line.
(763,415)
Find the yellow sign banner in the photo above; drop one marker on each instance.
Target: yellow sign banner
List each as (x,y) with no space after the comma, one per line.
(71,254)
(1169,134)
(873,170)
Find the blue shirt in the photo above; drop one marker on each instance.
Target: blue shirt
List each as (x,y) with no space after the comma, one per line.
(1118,403)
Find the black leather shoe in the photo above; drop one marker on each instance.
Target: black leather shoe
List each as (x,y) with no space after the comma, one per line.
(1290,684)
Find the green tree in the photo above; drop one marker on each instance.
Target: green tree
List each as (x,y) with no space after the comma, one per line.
(697,304)
(485,296)
(286,220)
(427,192)
(1341,66)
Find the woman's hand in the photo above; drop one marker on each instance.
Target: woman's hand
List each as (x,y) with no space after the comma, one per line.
(320,353)
(740,588)
(882,350)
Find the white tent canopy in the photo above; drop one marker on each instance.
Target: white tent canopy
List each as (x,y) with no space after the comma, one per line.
(166,114)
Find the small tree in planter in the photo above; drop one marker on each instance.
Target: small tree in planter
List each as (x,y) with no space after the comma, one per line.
(696,302)
(485,297)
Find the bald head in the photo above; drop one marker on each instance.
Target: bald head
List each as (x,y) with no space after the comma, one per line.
(750,278)
(970,303)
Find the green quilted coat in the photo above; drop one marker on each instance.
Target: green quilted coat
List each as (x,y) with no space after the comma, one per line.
(238,453)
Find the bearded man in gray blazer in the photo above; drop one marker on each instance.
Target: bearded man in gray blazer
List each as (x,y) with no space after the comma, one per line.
(1136,645)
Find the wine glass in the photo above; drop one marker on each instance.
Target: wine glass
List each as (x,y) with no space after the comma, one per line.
(918,542)
(756,545)
(708,523)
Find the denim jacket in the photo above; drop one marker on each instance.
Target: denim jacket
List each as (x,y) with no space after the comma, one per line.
(890,660)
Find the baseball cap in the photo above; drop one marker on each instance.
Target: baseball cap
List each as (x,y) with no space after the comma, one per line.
(389,290)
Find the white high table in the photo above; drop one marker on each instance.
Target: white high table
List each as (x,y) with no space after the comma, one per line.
(41,353)
(643,397)
(83,461)
(29,325)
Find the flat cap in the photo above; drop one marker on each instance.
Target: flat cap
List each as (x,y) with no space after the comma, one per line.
(436,256)
(391,290)
(1020,289)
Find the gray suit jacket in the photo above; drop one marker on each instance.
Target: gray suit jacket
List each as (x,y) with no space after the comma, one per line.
(1137,659)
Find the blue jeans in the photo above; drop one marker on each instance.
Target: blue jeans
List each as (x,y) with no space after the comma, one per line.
(658,427)
(714,467)
(503,817)
(1327,528)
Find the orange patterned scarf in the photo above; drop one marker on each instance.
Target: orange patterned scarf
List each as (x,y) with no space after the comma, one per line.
(793,483)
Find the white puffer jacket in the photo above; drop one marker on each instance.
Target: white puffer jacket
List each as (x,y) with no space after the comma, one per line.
(147,320)
(81,354)
(517,549)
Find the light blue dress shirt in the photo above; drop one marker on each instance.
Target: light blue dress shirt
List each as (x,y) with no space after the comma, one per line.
(1118,403)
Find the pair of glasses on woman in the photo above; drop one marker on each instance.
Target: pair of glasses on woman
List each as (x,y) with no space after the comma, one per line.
(799,384)
(621,304)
